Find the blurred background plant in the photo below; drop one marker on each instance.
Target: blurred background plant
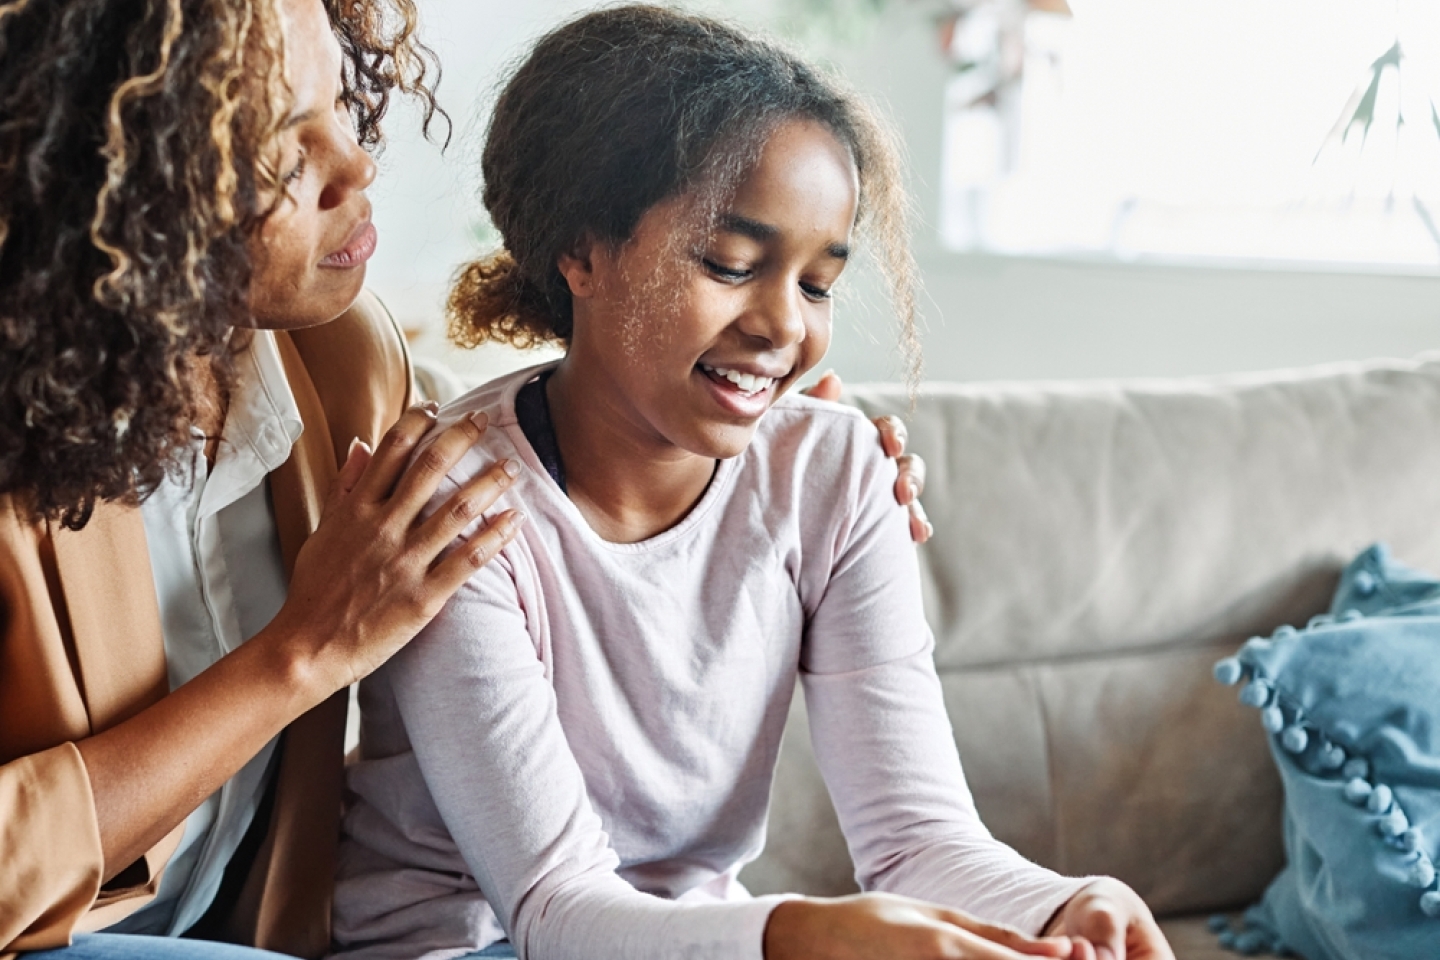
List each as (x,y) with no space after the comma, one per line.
(1386,143)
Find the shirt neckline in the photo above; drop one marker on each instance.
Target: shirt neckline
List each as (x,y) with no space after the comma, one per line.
(262,423)
(546,485)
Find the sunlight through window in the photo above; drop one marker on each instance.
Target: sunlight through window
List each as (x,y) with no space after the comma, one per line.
(1272,132)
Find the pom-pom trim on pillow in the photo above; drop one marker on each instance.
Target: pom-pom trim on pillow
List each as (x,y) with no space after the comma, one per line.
(1283,716)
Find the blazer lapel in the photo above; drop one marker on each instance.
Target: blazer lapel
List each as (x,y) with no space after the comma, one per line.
(299,486)
(104,574)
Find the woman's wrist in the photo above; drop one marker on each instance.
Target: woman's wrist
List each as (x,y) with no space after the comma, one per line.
(293,660)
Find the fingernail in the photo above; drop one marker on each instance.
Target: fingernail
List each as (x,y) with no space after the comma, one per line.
(929,529)
(511,468)
(480,418)
(430,406)
(1104,953)
(355,443)
(517,519)
(913,486)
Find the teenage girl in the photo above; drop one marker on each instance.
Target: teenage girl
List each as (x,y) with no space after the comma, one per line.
(577,753)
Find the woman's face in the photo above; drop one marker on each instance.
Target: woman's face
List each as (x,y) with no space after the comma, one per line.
(696,338)
(309,255)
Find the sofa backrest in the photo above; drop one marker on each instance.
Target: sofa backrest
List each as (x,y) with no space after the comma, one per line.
(1097,547)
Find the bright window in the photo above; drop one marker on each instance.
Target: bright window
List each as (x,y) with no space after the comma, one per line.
(1231,130)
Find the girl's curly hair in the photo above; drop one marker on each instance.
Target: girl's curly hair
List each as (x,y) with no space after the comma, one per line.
(135,152)
(627,106)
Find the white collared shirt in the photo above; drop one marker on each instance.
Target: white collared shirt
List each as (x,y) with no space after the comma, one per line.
(220,578)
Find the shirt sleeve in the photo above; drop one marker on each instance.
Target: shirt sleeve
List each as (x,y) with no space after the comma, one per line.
(480,714)
(42,797)
(883,739)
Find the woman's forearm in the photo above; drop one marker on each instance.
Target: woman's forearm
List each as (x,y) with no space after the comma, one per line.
(148,773)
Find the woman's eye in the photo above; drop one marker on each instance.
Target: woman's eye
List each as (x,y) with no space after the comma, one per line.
(729,274)
(295,172)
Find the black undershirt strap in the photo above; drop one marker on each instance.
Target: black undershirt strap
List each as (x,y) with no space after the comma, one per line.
(532,410)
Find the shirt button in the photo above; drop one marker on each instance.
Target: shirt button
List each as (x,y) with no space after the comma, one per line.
(271,441)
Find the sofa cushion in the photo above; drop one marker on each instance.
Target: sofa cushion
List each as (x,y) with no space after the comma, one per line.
(1353,709)
(1097,547)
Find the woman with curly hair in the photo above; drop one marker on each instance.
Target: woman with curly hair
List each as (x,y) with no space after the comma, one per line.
(182,602)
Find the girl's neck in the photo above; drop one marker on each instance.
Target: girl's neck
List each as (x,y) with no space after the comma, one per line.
(629,484)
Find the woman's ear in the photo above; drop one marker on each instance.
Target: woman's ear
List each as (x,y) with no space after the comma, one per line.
(577,266)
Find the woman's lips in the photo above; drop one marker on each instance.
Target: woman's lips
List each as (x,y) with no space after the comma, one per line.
(358,248)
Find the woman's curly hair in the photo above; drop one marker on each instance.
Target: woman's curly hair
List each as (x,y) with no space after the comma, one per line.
(627,106)
(136,150)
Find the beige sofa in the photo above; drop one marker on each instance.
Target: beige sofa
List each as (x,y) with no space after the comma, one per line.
(1097,547)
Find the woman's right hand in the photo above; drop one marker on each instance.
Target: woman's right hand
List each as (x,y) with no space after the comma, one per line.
(882,926)
(373,574)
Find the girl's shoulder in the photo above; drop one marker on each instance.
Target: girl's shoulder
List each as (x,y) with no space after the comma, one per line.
(796,403)
(496,398)
(502,437)
(823,444)
(841,429)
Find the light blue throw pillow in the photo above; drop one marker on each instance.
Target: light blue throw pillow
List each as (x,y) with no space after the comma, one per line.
(1352,703)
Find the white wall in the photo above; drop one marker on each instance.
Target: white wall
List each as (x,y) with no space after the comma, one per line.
(984,317)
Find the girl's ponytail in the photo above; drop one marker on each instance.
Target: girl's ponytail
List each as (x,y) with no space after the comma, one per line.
(493,301)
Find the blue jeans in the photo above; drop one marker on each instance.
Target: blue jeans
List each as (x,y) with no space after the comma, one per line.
(496,951)
(129,946)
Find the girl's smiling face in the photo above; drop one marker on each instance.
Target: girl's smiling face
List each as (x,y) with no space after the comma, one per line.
(693,340)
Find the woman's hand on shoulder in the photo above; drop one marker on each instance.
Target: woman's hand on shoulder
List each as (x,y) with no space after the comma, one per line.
(372,575)
(881,926)
(910,482)
(1112,922)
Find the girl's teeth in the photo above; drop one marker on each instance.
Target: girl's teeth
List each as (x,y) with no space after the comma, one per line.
(748,383)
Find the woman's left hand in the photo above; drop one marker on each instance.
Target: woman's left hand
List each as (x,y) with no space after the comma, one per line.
(911,480)
(1107,920)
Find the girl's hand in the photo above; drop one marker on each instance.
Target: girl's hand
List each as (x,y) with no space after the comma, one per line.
(371,576)
(1114,923)
(881,926)
(911,481)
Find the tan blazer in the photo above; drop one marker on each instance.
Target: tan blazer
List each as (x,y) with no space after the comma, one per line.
(81,650)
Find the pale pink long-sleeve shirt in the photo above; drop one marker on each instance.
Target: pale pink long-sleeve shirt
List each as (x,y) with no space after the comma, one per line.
(579,749)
